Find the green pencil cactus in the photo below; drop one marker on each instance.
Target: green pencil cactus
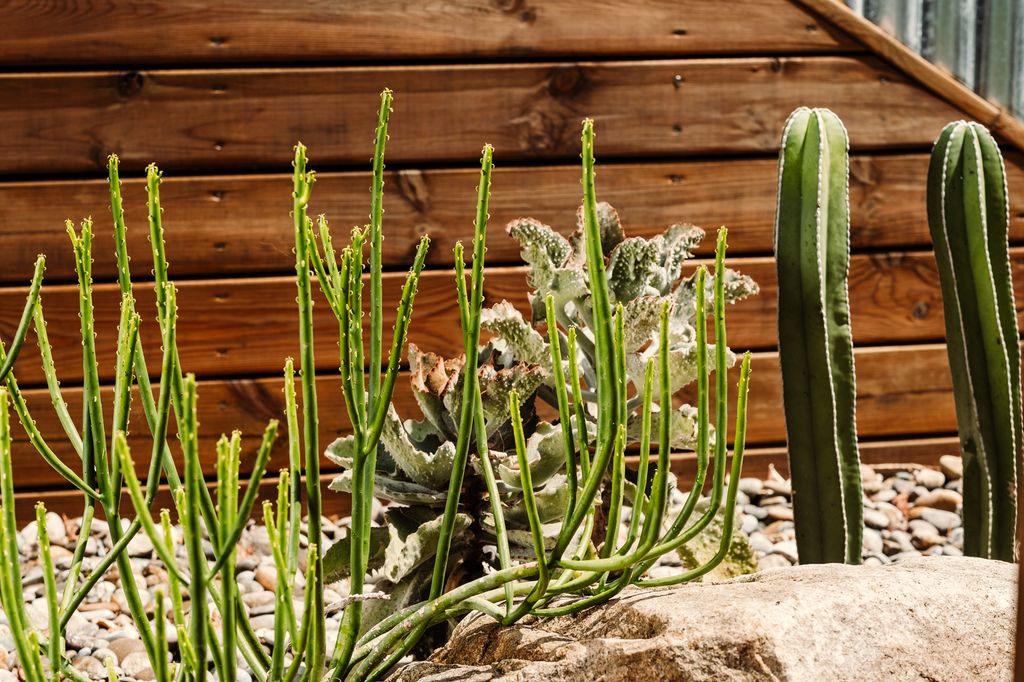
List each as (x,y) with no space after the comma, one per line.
(812,251)
(487,466)
(107,468)
(968,218)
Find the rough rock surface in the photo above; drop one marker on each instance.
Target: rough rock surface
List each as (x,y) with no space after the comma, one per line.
(929,618)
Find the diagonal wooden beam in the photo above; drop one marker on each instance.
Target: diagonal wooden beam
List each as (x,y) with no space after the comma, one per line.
(937,80)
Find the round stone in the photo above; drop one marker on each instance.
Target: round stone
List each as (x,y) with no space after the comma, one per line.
(952,466)
(872,541)
(941,498)
(930,478)
(123,647)
(779,512)
(874,518)
(137,665)
(89,665)
(942,520)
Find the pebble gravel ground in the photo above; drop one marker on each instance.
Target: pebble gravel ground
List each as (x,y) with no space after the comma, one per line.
(909,511)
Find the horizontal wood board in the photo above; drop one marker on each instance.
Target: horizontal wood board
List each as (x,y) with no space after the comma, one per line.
(269,31)
(910,381)
(239,225)
(248,326)
(251,118)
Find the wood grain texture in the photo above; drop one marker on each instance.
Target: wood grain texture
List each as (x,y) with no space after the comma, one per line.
(266,31)
(912,382)
(69,122)
(239,224)
(247,326)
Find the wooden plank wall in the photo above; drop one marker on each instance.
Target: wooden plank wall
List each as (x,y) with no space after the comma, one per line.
(689,97)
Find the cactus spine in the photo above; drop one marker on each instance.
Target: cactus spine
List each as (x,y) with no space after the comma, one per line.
(968,217)
(812,249)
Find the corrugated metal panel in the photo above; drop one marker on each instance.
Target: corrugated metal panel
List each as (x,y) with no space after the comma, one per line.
(981,42)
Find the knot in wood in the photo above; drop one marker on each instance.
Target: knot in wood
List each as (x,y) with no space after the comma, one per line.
(130,84)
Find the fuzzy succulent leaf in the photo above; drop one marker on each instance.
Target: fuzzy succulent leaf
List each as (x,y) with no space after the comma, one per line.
(674,246)
(412,540)
(684,298)
(394,489)
(608,223)
(553,269)
(514,335)
(336,560)
(631,266)
(401,594)
(641,320)
(432,378)
(520,540)
(544,453)
(682,364)
(495,386)
(542,248)
(429,469)
(683,425)
(551,500)
(340,452)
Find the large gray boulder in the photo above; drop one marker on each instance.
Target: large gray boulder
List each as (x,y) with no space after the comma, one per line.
(936,618)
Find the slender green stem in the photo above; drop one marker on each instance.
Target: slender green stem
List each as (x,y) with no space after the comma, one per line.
(142,513)
(36,438)
(618,471)
(739,441)
(227,493)
(26,318)
(60,406)
(231,533)
(294,468)
(198,613)
(49,581)
(404,317)
(564,415)
(470,378)
(84,533)
(532,515)
(173,584)
(376,244)
(404,631)
(579,407)
(600,300)
(640,498)
(160,665)
(82,245)
(303,183)
(10,563)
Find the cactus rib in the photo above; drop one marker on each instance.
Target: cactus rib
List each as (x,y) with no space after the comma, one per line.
(815,341)
(968,219)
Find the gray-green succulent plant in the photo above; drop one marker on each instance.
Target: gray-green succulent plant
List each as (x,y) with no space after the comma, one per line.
(415,457)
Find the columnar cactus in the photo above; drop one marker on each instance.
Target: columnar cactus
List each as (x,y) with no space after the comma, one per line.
(968,217)
(812,250)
